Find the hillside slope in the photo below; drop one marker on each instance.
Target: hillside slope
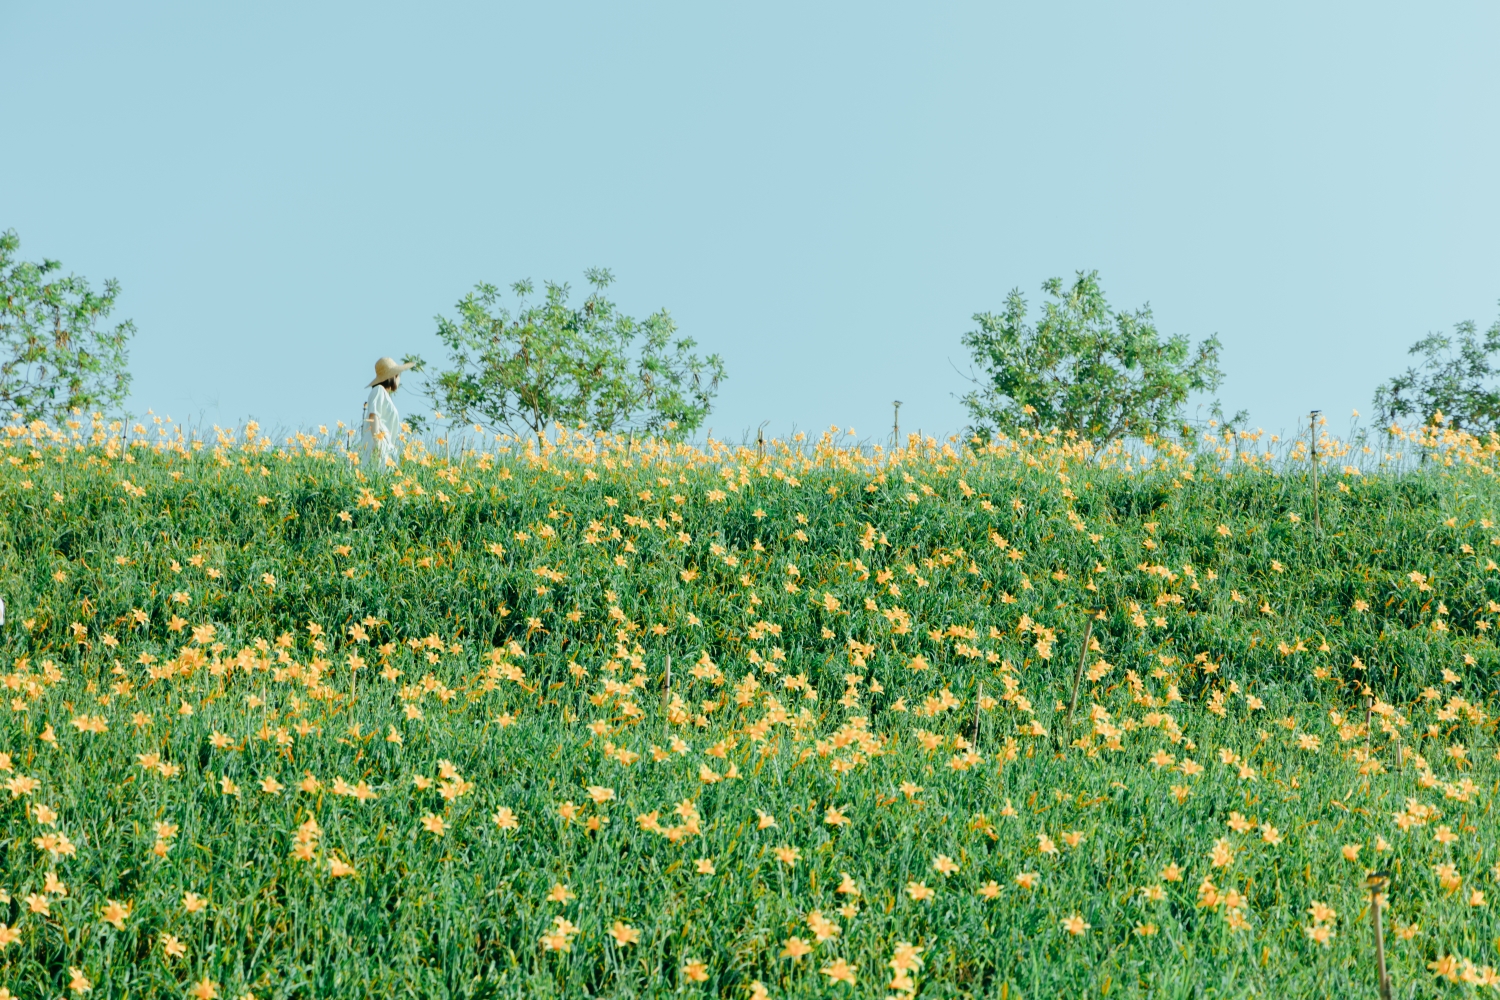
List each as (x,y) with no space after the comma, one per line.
(629,721)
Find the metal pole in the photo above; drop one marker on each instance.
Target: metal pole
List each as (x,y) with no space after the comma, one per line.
(896,424)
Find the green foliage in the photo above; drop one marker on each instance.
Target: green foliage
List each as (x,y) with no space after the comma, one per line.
(54,356)
(1083,367)
(1455,379)
(590,365)
(287,552)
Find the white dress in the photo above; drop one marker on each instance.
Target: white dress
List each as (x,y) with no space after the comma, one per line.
(377,439)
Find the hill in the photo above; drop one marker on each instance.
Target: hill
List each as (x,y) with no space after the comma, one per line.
(627,719)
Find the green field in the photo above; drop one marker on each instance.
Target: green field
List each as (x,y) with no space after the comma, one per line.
(630,720)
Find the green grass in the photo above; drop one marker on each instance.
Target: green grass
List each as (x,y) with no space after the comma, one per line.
(463,913)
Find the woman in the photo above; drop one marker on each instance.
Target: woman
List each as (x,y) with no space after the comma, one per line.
(377,440)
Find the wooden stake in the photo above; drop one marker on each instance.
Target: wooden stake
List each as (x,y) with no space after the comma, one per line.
(1377,881)
(976,712)
(1312,437)
(1368,703)
(1088,630)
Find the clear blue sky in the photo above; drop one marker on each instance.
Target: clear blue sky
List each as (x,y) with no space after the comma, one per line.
(822,193)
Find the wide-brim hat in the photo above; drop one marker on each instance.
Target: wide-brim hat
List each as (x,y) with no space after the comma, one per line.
(386,368)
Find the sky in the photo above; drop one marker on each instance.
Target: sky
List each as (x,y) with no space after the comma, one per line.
(824,194)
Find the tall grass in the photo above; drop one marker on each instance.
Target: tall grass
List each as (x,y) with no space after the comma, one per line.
(404,658)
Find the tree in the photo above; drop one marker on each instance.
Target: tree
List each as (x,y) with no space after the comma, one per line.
(55,353)
(550,362)
(1451,380)
(1083,367)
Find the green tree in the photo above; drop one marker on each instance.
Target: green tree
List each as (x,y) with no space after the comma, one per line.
(550,361)
(1452,380)
(1082,367)
(56,354)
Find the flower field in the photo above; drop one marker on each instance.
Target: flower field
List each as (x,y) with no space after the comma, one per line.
(618,719)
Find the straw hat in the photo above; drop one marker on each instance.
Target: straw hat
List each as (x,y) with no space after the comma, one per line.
(386,368)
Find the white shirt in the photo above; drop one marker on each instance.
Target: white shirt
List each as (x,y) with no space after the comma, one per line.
(377,439)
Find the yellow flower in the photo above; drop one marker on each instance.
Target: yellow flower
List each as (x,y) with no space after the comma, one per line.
(1321,913)
(624,934)
(919,891)
(823,929)
(1075,925)
(695,970)
(1320,933)
(839,971)
(22,785)
(116,913)
(795,948)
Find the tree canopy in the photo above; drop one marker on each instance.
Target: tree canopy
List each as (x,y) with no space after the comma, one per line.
(526,367)
(1453,381)
(56,352)
(1082,367)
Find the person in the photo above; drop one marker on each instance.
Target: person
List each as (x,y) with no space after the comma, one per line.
(381,423)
